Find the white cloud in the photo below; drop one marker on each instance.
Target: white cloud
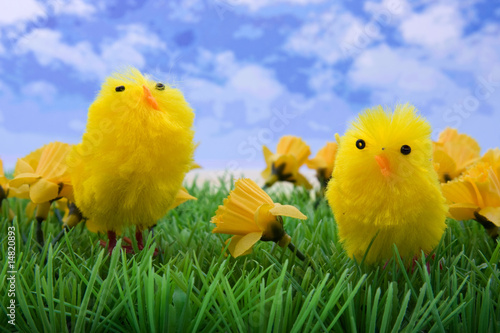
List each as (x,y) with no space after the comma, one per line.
(127,50)
(391,73)
(323,79)
(438,26)
(331,36)
(255,5)
(44,90)
(184,10)
(49,49)
(388,12)
(256,82)
(248,31)
(254,86)
(478,53)
(318,127)
(269,111)
(19,11)
(74,7)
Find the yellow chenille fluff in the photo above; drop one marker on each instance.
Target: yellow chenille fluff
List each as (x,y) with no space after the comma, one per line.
(137,147)
(379,189)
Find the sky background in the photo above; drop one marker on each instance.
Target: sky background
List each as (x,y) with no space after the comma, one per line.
(253,70)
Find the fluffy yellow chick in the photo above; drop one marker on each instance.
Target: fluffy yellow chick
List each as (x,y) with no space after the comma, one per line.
(384,186)
(137,147)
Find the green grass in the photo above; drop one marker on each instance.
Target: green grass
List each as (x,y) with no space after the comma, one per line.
(74,286)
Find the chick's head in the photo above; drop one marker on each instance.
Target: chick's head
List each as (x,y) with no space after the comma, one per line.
(387,147)
(132,99)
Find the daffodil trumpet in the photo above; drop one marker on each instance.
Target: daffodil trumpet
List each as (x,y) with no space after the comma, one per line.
(476,195)
(453,153)
(323,163)
(291,153)
(250,215)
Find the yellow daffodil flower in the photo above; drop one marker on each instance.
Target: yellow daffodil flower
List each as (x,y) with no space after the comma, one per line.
(5,190)
(48,177)
(453,153)
(323,163)
(476,195)
(43,176)
(3,184)
(291,153)
(250,215)
(492,157)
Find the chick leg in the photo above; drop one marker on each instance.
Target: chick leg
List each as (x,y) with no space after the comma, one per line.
(427,262)
(140,239)
(112,241)
(140,242)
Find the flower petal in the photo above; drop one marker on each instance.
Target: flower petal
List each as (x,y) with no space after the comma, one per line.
(492,214)
(43,191)
(446,166)
(287,210)
(463,211)
(24,178)
(52,164)
(459,191)
(461,149)
(21,192)
(267,153)
(241,245)
(23,166)
(295,146)
(32,159)
(302,181)
(263,218)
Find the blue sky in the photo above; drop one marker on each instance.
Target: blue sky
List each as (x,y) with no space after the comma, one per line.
(254,70)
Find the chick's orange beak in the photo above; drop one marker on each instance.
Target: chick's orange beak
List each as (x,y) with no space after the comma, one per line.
(150,99)
(384,165)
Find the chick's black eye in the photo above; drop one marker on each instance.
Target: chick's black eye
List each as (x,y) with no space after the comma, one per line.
(120,88)
(360,144)
(405,149)
(160,86)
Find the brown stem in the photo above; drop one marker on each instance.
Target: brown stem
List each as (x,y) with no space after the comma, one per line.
(297,252)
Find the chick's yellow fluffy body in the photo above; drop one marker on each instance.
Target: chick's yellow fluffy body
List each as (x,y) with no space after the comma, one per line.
(379,193)
(133,157)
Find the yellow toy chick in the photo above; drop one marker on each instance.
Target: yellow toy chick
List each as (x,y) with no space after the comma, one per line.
(384,187)
(133,157)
